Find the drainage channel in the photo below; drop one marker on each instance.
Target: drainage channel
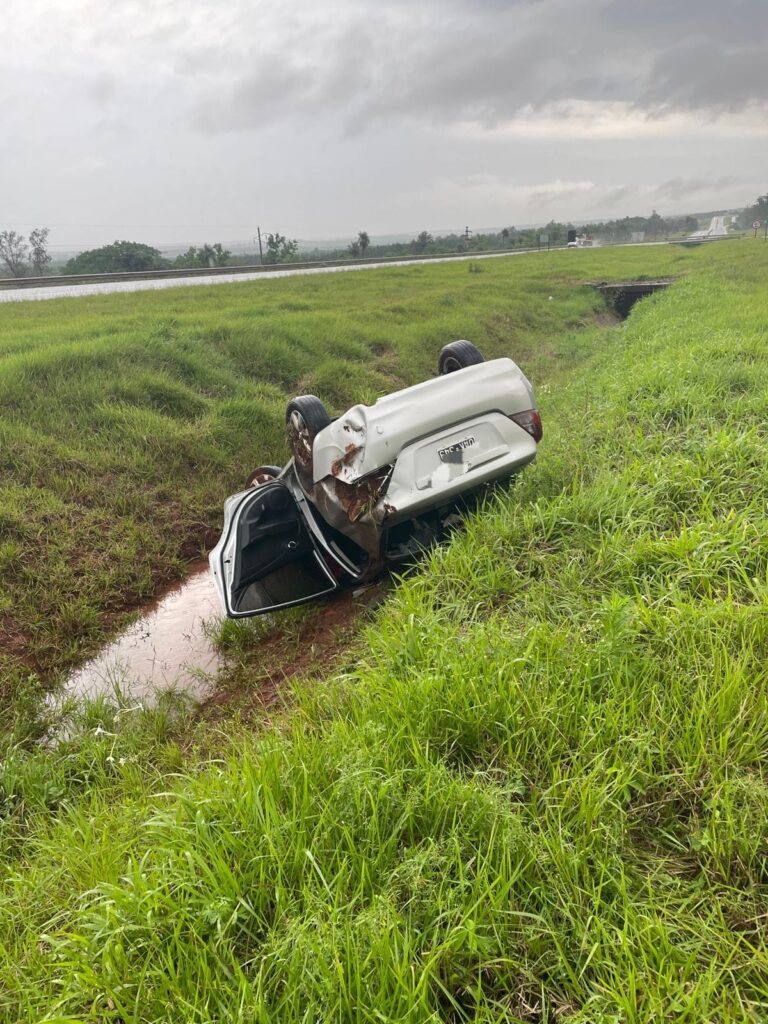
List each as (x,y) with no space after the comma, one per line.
(168,648)
(622,295)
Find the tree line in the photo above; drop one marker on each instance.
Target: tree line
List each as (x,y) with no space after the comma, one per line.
(21,255)
(133,257)
(757,211)
(654,227)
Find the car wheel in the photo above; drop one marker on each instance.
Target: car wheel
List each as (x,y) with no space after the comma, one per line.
(262,475)
(305,417)
(457,356)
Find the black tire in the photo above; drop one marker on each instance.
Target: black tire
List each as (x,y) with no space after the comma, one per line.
(305,417)
(262,475)
(457,356)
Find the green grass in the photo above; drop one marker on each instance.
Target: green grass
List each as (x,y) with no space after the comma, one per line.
(538,793)
(125,420)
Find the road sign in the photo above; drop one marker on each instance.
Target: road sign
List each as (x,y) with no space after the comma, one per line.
(756,224)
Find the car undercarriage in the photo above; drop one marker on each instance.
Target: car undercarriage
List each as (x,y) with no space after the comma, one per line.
(375,486)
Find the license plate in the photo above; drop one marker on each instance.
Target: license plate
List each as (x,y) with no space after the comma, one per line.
(455,452)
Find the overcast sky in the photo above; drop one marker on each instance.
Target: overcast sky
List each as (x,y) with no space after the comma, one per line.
(175,121)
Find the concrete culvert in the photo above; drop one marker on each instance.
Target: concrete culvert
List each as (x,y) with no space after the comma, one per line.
(622,295)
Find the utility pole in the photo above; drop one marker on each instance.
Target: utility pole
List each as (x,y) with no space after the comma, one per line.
(467,233)
(261,254)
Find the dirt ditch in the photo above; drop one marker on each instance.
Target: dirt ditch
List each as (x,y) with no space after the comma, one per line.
(316,645)
(171,647)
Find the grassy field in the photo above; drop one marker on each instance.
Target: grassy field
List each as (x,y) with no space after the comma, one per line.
(537,791)
(125,420)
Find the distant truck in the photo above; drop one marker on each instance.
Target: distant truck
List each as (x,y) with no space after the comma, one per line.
(579,241)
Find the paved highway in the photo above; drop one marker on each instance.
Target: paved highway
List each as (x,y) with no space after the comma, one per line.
(64,291)
(716,229)
(73,290)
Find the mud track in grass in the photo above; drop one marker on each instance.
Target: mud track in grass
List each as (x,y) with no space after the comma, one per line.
(255,679)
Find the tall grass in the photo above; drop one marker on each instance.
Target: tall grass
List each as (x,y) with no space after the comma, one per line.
(539,794)
(126,419)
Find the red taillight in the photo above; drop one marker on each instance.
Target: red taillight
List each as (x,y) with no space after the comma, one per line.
(530,420)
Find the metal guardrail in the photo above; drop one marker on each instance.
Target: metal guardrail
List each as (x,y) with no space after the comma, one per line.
(58,280)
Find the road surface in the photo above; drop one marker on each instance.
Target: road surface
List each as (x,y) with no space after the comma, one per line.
(716,229)
(68,291)
(73,290)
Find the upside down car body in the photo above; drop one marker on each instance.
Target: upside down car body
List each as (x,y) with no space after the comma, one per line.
(375,486)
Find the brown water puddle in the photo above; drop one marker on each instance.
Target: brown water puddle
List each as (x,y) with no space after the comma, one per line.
(167,648)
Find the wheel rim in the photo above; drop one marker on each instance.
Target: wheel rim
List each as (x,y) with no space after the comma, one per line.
(301,440)
(259,477)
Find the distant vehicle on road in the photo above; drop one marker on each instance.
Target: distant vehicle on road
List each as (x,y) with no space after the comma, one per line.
(374,487)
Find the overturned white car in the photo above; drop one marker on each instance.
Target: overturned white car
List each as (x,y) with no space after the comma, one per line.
(375,486)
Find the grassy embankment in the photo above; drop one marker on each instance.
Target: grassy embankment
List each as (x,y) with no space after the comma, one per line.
(125,420)
(539,795)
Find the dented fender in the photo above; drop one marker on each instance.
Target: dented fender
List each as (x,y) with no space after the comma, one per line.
(355,509)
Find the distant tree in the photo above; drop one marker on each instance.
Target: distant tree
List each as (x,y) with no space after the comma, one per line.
(363,241)
(14,253)
(757,211)
(505,235)
(206,256)
(558,233)
(117,257)
(354,248)
(215,255)
(281,249)
(38,244)
(190,258)
(421,241)
(655,225)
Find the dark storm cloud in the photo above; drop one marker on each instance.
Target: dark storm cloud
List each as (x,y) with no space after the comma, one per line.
(487,61)
(684,188)
(735,22)
(393,115)
(275,84)
(696,75)
(618,196)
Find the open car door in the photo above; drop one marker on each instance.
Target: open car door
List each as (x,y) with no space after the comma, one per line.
(267,558)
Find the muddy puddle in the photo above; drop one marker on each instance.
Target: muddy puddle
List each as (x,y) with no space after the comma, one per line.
(169,647)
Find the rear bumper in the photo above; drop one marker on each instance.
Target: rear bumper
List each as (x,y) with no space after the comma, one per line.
(436,470)
(366,438)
